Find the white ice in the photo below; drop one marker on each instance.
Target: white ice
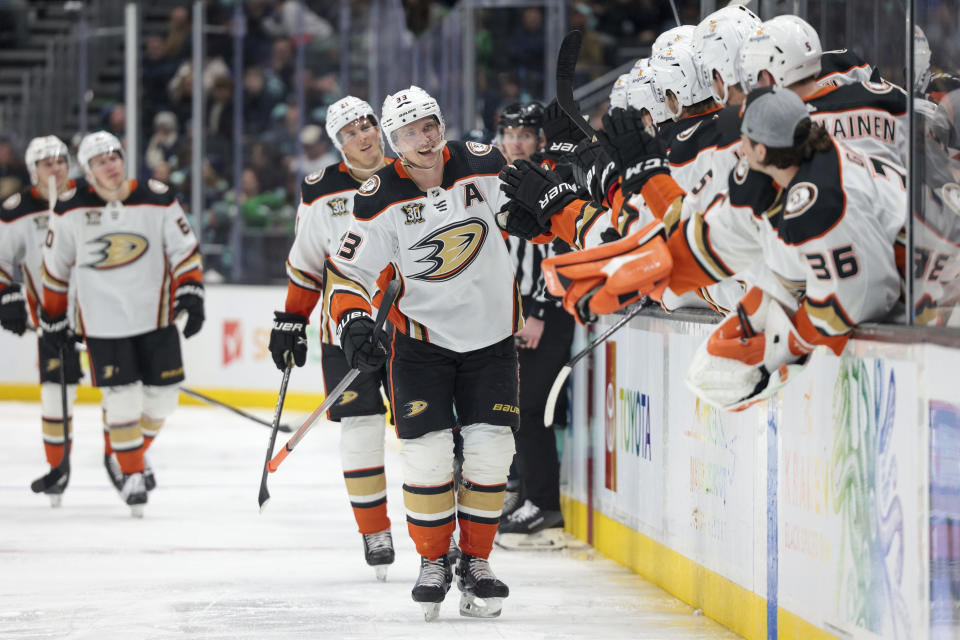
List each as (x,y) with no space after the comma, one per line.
(203,563)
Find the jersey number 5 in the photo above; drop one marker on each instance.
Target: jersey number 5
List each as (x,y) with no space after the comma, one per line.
(845,263)
(348,248)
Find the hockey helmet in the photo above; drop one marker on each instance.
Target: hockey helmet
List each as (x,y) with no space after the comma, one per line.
(717,42)
(343,112)
(683,33)
(618,95)
(677,71)
(519,114)
(406,106)
(40,148)
(95,144)
(642,94)
(786,46)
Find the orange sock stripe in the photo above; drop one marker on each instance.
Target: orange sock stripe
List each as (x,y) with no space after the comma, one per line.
(147,441)
(476,535)
(54,453)
(107,448)
(371,518)
(131,461)
(432,538)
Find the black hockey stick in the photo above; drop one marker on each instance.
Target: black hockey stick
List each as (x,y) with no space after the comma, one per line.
(567,368)
(199,396)
(62,470)
(389,297)
(566,65)
(264,496)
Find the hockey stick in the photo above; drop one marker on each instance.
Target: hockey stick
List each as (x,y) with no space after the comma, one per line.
(566,65)
(567,368)
(389,297)
(50,480)
(264,496)
(199,396)
(676,15)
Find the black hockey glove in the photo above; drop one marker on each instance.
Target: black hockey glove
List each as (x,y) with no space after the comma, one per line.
(288,338)
(189,299)
(519,221)
(363,350)
(638,155)
(56,331)
(13,310)
(539,190)
(593,169)
(561,132)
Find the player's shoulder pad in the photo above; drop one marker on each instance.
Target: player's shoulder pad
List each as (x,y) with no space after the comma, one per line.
(81,195)
(840,61)
(751,189)
(151,192)
(328,180)
(381,190)
(471,158)
(814,201)
(688,142)
(20,204)
(864,95)
(728,126)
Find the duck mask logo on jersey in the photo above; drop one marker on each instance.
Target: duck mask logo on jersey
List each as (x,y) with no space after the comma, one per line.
(452,249)
(118,249)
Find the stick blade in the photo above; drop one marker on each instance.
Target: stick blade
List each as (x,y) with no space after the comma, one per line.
(569,52)
(551,405)
(285,428)
(264,497)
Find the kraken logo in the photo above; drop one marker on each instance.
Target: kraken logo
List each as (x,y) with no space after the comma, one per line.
(452,249)
(118,249)
(415,408)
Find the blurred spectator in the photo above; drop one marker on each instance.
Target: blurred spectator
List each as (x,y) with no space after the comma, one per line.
(262,208)
(317,152)
(162,148)
(593,58)
(284,131)
(288,19)
(162,172)
(14,29)
(268,165)
(258,100)
(320,91)
(258,41)
(524,49)
(220,109)
(157,70)
(281,66)
(180,87)
(13,173)
(177,43)
(641,20)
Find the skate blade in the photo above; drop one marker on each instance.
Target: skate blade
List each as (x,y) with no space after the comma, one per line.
(546,540)
(431,610)
(56,499)
(474,607)
(381,572)
(136,510)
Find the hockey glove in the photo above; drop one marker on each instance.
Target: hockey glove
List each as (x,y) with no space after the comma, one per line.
(561,132)
(56,331)
(749,356)
(637,155)
(519,221)
(593,169)
(288,339)
(363,350)
(189,300)
(13,310)
(538,189)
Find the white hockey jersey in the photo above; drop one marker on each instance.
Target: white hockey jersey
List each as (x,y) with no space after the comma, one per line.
(325,212)
(458,288)
(127,258)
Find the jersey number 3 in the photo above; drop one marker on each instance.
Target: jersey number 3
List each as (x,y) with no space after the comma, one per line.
(348,248)
(845,263)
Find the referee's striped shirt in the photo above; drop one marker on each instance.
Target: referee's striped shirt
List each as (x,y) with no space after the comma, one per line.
(526,257)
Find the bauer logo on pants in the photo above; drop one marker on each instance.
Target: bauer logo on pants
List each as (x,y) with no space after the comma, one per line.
(415,408)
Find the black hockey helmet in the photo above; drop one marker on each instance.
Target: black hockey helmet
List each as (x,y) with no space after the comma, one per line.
(521,114)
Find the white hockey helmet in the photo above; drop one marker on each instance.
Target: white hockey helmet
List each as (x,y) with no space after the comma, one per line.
(642,94)
(40,148)
(677,72)
(642,63)
(786,46)
(343,112)
(95,144)
(683,33)
(717,42)
(406,106)
(921,60)
(618,95)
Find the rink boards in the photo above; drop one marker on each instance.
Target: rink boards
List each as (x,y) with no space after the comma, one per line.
(825,513)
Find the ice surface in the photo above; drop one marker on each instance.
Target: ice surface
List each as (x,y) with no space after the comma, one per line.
(203,563)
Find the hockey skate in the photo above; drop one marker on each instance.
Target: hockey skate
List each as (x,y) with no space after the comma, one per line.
(511,502)
(116,475)
(53,484)
(378,551)
(453,553)
(531,527)
(432,585)
(134,493)
(482,593)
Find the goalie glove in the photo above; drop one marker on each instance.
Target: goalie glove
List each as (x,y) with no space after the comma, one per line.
(638,156)
(750,356)
(593,169)
(539,190)
(13,309)
(562,133)
(607,278)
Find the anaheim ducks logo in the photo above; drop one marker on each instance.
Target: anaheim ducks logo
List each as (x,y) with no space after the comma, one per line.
(686,133)
(950,193)
(415,408)
(801,197)
(478,148)
(118,249)
(348,397)
(452,249)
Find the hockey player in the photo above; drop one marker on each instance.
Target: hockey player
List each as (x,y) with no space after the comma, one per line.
(137,266)
(822,216)
(326,208)
(543,348)
(23,225)
(431,215)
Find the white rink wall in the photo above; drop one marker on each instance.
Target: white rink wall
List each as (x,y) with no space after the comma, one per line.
(805,517)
